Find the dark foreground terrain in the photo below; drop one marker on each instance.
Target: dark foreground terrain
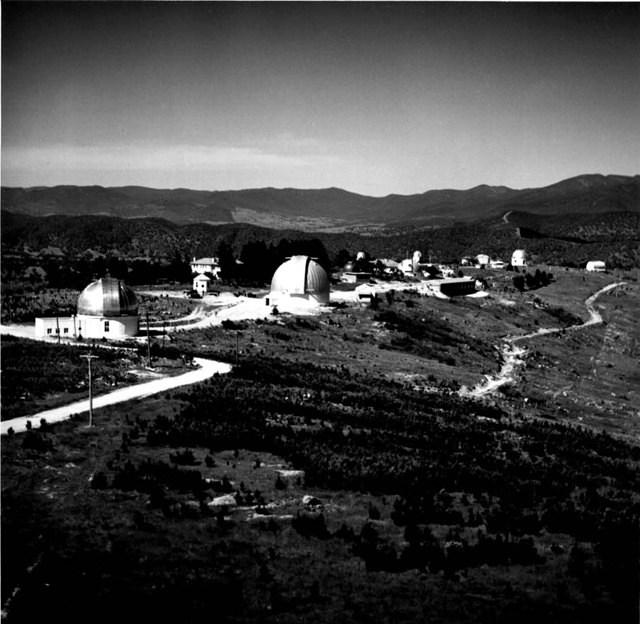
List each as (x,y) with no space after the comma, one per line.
(427,507)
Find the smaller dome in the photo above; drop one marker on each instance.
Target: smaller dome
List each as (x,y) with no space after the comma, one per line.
(108,297)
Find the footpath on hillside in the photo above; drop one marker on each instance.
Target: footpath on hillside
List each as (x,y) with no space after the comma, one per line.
(513,354)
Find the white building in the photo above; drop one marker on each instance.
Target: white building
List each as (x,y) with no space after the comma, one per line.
(201,284)
(366,293)
(497,264)
(519,258)
(596,266)
(299,280)
(482,260)
(206,265)
(107,308)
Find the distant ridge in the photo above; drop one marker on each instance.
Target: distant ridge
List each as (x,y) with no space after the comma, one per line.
(330,208)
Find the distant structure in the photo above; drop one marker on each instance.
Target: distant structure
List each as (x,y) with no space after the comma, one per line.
(354,271)
(406,266)
(107,308)
(299,280)
(497,264)
(415,261)
(596,266)
(482,260)
(449,287)
(366,293)
(201,284)
(209,266)
(519,258)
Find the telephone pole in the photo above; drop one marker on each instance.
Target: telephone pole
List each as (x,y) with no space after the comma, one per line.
(90,357)
(148,343)
(237,341)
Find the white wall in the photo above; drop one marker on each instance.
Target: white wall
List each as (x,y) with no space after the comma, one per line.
(47,327)
(96,326)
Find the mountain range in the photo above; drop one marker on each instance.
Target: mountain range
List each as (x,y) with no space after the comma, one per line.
(331,209)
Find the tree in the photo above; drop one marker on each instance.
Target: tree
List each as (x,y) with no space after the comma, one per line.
(226,260)
(341,258)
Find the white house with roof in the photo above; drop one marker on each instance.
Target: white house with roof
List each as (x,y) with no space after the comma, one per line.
(210,265)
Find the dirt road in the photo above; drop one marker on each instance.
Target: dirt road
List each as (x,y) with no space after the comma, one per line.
(206,369)
(514,354)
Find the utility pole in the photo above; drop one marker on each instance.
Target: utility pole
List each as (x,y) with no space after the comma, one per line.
(58,328)
(148,343)
(90,357)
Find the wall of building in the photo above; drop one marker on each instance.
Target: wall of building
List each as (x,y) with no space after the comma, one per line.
(114,327)
(107,327)
(51,327)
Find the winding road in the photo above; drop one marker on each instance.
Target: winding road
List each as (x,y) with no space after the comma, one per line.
(514,354)
(205,370)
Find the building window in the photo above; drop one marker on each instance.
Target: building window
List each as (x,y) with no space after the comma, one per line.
(48,330)
(65,330)
(106,326)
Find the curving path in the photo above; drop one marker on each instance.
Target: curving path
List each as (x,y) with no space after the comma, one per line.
(205,370)
(514,354)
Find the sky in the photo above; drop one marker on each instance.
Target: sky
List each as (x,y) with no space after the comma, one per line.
(375,98)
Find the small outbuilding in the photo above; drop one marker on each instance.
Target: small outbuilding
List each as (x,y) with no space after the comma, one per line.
(597,266)
(201,284)
(519,258)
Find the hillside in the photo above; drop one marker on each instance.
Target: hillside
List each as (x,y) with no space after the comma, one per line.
(327,209)
(569,239)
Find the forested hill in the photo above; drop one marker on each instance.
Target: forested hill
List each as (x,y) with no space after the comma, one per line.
(571,239)
(328,209)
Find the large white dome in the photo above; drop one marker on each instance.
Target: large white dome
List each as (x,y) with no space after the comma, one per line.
(301,276)
(108,297)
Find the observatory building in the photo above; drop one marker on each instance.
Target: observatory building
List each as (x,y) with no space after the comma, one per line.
(299,280)
(107,308)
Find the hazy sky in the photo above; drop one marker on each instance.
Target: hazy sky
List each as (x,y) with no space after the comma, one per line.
(375,98)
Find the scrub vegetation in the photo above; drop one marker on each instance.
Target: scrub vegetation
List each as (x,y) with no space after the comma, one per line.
(449,508)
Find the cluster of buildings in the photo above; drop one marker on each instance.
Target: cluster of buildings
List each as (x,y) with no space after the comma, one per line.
(519,259)
(108,308)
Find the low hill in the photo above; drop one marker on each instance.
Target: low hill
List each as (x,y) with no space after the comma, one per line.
(330,209)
